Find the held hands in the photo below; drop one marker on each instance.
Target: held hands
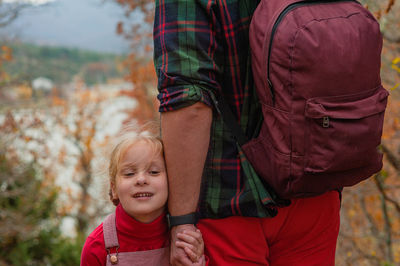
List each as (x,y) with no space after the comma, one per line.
(187,246)
(192,243)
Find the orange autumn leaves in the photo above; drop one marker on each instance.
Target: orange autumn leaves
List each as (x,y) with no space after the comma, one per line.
(5,56)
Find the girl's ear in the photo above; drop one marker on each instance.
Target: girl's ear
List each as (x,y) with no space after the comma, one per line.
(113,194)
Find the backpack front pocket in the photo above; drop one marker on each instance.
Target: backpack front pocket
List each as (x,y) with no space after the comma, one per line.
(344,132)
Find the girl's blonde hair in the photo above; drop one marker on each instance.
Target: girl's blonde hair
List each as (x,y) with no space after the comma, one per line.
(130,135)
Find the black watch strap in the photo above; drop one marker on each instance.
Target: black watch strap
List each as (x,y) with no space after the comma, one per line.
(190,218)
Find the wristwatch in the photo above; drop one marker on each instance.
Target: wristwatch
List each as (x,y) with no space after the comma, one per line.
(190,218)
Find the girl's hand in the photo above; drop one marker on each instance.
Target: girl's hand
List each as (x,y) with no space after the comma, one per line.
(192,243)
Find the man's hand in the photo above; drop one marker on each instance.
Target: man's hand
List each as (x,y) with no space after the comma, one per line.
(178,254)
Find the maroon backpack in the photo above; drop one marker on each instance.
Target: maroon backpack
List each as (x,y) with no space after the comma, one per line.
(316,68)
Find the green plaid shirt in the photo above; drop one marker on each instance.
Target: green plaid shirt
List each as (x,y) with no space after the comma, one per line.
(201,52)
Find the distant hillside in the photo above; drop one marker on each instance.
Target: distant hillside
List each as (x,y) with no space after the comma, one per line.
(61,64)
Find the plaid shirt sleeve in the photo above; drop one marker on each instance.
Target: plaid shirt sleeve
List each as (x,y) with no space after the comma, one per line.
(185,49)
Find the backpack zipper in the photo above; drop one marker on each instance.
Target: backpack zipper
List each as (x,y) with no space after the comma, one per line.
(278,21)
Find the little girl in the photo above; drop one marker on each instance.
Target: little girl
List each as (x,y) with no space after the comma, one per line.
(137,233)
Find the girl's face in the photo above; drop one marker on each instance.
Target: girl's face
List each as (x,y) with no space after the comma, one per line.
(141,183)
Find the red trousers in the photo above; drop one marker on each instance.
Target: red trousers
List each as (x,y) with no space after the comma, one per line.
(303,233)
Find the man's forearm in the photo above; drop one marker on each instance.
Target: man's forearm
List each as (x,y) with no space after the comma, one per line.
(186,136)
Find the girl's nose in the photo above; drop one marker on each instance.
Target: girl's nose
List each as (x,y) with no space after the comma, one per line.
(141,179)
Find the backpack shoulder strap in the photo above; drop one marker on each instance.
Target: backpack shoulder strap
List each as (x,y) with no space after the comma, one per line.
(110,232)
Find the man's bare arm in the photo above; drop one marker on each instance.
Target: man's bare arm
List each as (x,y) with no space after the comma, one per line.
(186,136)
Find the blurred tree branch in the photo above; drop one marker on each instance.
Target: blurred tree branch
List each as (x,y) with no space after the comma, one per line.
(387,14)
(80,125)
(393,160)
(10,11)
(380,185)
(138,32)
(139,62)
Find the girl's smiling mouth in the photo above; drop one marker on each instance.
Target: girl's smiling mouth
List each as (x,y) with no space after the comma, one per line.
(142,195)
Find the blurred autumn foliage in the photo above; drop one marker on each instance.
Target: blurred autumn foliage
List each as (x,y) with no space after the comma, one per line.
(142,75)
(5,56)
(52,170)
(140,32)
(29,221)
(53,154)
(139,62)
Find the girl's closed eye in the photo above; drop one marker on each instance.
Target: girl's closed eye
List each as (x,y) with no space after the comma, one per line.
(154,172)
(129,172)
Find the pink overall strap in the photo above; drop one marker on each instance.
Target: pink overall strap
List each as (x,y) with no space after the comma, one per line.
(155,257)
(110,232)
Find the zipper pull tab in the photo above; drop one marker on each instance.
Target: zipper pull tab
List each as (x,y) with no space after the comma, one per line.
(325,121)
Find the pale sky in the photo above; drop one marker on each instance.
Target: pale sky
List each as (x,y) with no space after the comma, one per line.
(87,24)
(33,2)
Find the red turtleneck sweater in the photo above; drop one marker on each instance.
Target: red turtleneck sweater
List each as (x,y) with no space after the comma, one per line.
(132,236)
